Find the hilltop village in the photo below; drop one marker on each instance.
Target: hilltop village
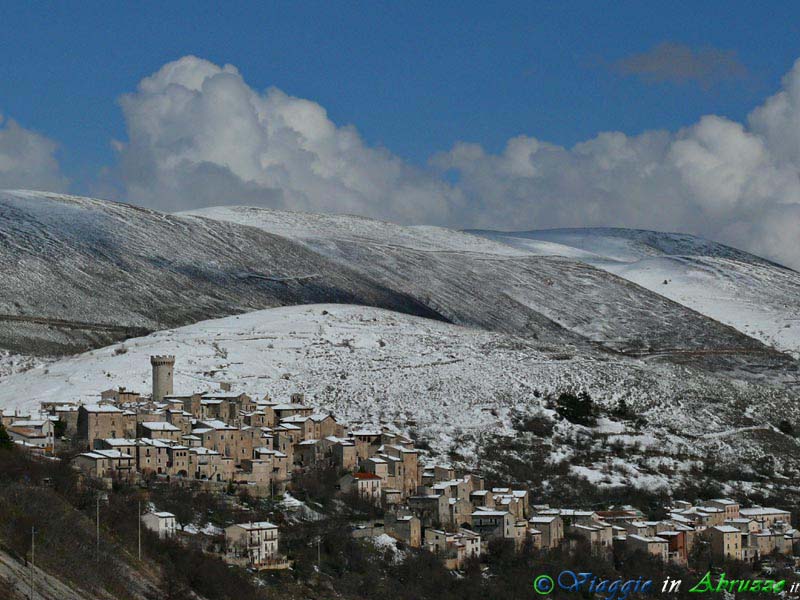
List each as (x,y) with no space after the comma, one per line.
(226,441)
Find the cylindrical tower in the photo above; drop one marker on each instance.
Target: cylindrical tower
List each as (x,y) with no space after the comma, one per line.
(162,376)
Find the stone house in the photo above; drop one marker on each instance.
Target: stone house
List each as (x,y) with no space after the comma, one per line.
(453,548)
(726,541)
(552,528)
(161,523)
(406,528)
(153,456)
(366,485)
(655,546)
(100,421)
(344,454)
(252,544)
(729,508)
(160,430)
(765,516)
(106,463)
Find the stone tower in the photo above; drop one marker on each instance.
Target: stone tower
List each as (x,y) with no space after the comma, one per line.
(162,376)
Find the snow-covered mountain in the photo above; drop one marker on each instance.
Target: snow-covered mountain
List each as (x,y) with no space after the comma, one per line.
(527,317)
(556,297)
(454,387)
(79,273)
(753,295)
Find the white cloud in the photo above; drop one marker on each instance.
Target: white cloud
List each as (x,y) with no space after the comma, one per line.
(27,159)
(721,179)
(200,136)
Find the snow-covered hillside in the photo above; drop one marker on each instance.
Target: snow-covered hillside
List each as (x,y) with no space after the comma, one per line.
(751,294)
(79,273)
(452,386)
(478,282)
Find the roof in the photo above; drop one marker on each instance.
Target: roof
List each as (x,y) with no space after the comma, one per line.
(159,426)
(152,443)
(490,513)
(202,450)
(541,520)
(162,514)
(758,511)
(295,419)
(361,475)
(98,454)
(320,416)
(101,408)
(33,424)
(256,526)
(223,396)
(216,424)
(26,432)
(120,442)
(726,529)
(648,540)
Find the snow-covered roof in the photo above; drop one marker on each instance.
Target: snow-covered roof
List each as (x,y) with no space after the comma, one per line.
(216,424)
(159,426)
(649,540)
(489,513)
(257,526)
(202,450)
(295,419)
(726,529)
(101,408)
(98,454)
(760,511)
(120,441)
(541,519)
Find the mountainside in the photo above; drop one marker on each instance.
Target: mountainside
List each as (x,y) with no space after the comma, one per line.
(455,388)
(478,282)
(80,273)
(754,295)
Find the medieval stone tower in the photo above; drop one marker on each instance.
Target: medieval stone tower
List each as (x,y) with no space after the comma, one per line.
(162,376)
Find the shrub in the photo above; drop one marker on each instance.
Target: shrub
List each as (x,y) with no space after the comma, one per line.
(577,409)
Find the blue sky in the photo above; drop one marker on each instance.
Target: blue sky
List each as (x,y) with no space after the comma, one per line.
(414,77)
(680,116)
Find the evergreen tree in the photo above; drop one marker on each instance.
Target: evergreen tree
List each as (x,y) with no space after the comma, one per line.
(6,443)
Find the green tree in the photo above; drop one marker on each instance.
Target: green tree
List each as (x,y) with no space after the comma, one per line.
(577,409)
(6,443)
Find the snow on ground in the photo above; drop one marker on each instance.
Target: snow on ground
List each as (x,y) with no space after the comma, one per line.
(18,363)
(293,505)
(208,529)
(302,226)
(450,385)
(755,296)
(386,542)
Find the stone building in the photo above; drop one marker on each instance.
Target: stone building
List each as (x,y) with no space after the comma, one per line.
(163,367)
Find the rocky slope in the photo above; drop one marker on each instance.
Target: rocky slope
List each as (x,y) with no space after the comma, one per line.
(79,273)
(753,295)
(563,300)
(455,388)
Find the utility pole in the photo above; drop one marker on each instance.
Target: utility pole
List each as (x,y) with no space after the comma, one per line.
(139,519)
(33,557)
(97,551)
